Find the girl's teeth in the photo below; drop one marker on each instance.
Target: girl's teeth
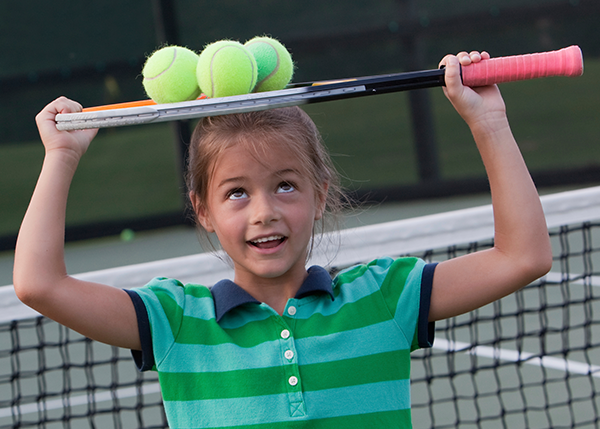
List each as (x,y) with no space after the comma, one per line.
(271,238)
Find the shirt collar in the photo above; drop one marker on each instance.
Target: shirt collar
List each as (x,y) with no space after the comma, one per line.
(228,295)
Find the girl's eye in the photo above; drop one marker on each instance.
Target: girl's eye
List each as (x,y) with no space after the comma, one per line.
(236,194)
(285,187)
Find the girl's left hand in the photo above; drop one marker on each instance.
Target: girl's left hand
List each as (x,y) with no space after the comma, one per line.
(475,105)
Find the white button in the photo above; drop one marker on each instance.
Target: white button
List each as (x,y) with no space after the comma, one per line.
(293,380)
(291,310)
(289,354)
(285,334)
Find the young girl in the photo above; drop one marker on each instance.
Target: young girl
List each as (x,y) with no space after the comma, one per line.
(283,346)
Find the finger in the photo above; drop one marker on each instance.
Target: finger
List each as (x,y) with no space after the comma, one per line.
(65,105)
(46,118)
(452,73)
(443,62)
(475,56)
(464,58)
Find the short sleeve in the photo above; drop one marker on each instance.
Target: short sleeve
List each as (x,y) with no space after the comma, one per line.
(426,329)
(407,291)
(144,358)
(159,307)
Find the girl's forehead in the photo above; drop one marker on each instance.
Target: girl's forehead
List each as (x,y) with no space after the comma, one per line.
(268,157)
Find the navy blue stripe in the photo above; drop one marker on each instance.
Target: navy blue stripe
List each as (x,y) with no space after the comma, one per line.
(426,328)
(144,359)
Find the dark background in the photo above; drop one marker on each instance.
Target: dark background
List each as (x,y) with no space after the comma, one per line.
(94,52)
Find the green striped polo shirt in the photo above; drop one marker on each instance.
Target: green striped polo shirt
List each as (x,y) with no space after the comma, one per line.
(338,357)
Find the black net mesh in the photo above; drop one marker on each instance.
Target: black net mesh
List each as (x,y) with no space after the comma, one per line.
(530,360)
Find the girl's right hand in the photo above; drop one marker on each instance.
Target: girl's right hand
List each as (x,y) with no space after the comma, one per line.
(75,141)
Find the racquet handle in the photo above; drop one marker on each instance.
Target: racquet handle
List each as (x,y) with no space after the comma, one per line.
(564,62)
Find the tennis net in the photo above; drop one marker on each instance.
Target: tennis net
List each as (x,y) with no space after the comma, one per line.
(529,360)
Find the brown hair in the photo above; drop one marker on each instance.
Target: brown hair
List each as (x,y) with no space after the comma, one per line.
(289,126)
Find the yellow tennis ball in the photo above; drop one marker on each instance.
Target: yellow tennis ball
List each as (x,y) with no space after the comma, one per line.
(127,235)
(170,75)
(275,65)
(226,68)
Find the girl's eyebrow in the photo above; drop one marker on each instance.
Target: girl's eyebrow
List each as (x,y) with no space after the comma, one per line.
(236,179)
(287,170)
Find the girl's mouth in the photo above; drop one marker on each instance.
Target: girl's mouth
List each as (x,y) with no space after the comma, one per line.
(268,242)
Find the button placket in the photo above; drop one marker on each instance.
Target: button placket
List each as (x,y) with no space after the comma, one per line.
(290,369)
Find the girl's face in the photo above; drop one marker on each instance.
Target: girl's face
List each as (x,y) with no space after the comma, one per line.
(263,213)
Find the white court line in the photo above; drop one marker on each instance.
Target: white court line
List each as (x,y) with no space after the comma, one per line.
(518,357)
(554,277)
(74,401)
(440,344)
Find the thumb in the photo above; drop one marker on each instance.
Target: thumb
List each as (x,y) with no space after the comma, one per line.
(452,76)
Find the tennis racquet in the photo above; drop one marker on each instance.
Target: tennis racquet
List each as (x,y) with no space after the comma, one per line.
(563,62)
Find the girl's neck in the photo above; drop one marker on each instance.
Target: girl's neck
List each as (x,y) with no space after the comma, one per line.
(275,292)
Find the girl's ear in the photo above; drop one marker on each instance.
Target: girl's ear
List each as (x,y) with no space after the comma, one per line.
(321,201)
(201,212)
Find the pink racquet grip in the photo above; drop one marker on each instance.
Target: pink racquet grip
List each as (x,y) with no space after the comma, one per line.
(564,62)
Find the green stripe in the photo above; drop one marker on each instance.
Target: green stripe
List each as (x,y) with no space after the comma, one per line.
(381,420)
(187,386)
(385,419)
(197,291)
(184,386)
(367,311)
(207,332)
(375,368)
(351,275)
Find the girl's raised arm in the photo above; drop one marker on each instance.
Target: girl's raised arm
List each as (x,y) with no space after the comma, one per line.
(521,251)
(40,278)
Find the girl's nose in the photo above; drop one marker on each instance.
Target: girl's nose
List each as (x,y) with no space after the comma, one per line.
(264,209)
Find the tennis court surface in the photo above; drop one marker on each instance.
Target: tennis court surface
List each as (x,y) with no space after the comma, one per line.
(531,360)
